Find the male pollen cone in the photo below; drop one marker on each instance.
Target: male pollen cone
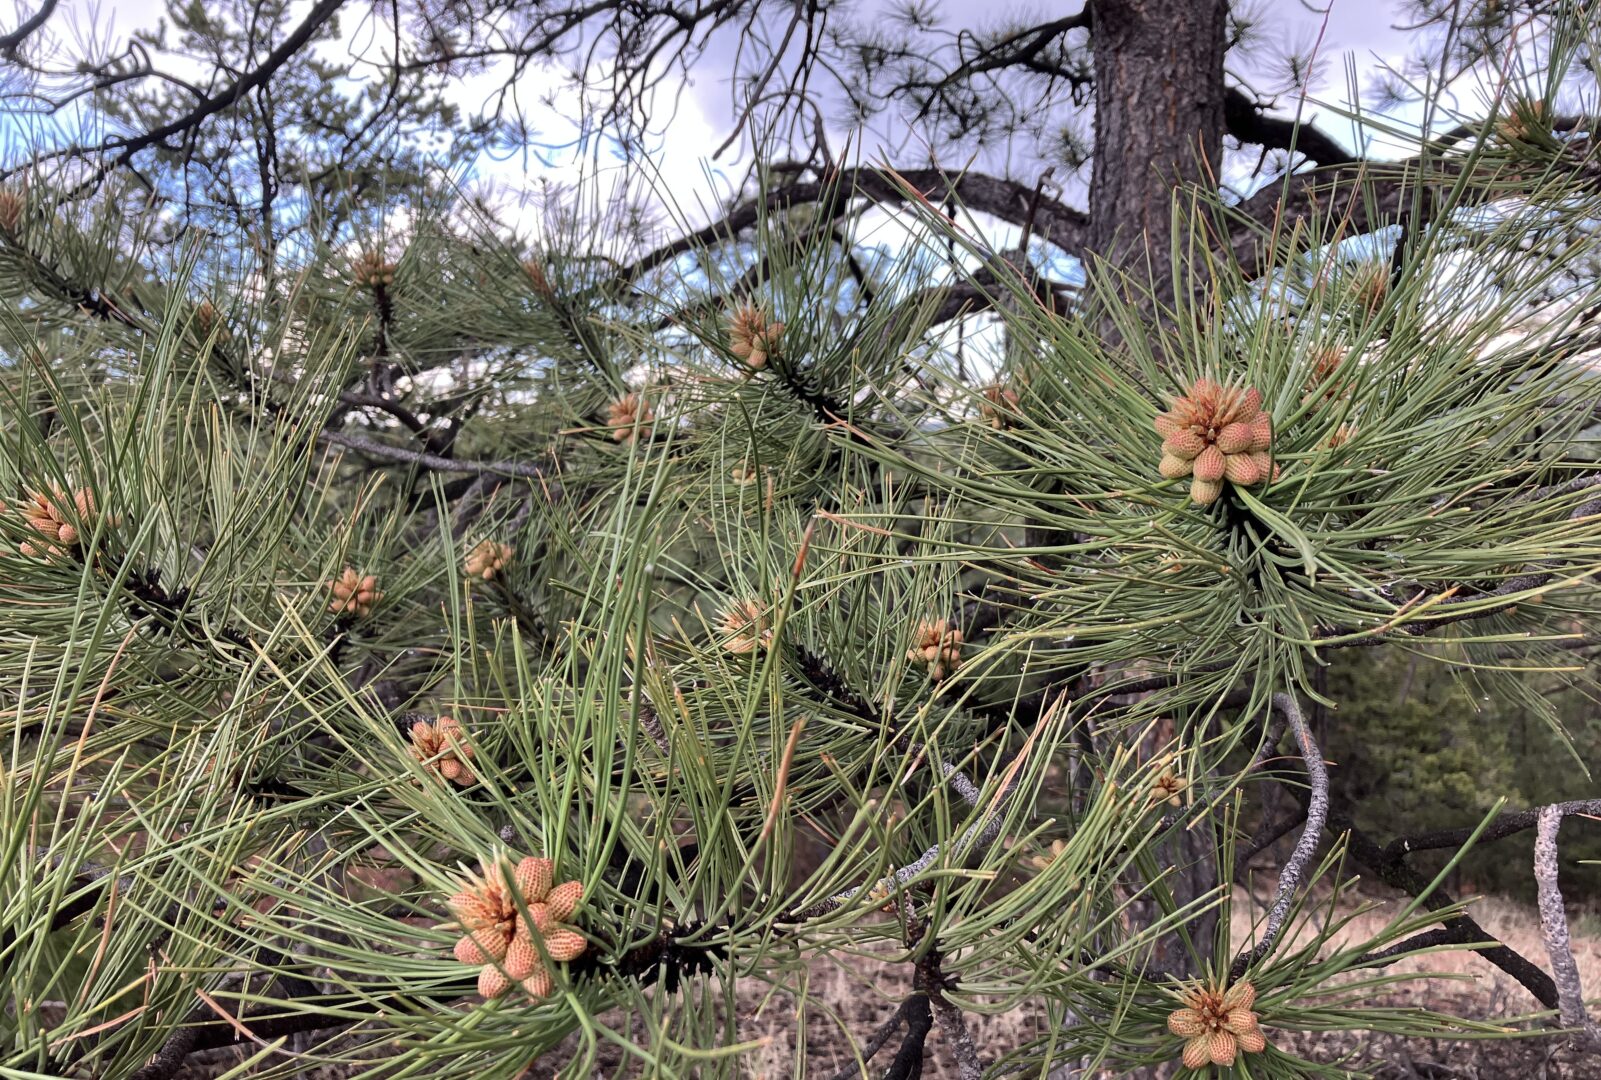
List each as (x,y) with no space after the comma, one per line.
(1217,1024)
(1216,434)
(497,936)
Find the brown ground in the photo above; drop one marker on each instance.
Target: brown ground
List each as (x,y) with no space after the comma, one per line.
(1486,992)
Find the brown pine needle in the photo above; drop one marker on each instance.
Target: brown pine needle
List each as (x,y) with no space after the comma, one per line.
(781,781)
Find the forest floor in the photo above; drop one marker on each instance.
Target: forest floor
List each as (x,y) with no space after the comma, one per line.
(1472,988)
(851,997)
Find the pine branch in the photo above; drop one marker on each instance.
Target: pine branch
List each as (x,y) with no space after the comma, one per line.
(667,958)
(1443,613)
(10,42)
(822,675)
(978,835)
(227,98)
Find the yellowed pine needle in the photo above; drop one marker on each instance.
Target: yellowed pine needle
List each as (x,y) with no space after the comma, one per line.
(847,523)
(86,1032)
(781,781)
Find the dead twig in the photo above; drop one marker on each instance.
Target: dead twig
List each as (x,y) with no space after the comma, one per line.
(1554,932)
(1317,813)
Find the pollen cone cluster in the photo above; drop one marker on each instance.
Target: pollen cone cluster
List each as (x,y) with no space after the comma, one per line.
(1054,852)
(998,406)
(1328,363)
(207,319)
(1168,788)
(1370,285)
(489,558)
(372,270)
(1524,119)
(1216,433)
(752,338)
(58,521)
(629,417)
(939,648)
(496,935)
(1216,1025)
(538,278)
(745,627)
(11,206)
(354,594)
(440,746)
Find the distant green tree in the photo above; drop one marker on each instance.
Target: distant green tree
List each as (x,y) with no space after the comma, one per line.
(300,153)
(1419,747)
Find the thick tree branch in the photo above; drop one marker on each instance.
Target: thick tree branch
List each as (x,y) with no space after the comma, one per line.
(1247,123)
(9,42)
(931,979)
(1319,207)
(833,197)
(981,292)
(402,456)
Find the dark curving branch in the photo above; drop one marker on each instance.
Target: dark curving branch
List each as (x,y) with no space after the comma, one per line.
(1394,872)
(10,42)
(912,1011)
(125,149)
(835,195)
(1265,837)
(1247,122)
(908,1063)
(1508,824)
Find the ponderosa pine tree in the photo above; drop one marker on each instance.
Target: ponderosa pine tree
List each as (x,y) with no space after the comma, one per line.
(427,655)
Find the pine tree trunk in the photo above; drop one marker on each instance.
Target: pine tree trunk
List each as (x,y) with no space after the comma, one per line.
(1158,128)
(1158,124)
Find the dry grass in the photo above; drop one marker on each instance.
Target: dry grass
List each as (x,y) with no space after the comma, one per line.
(1471,987)
(851,998)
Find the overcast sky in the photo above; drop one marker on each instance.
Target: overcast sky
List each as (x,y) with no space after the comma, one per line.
(1357,34)
(1360,33)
